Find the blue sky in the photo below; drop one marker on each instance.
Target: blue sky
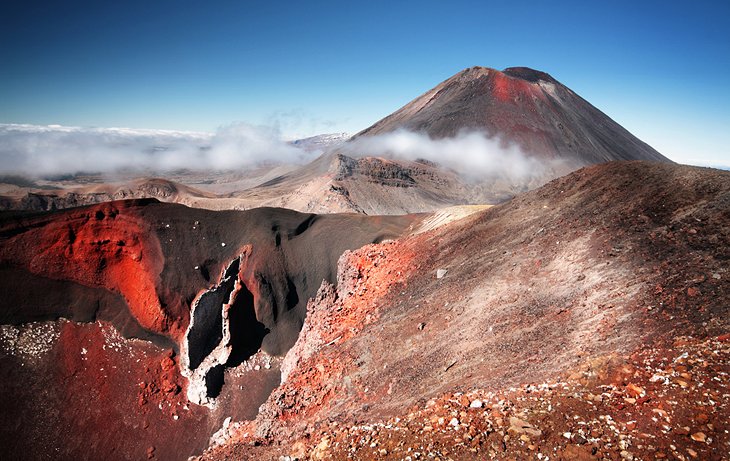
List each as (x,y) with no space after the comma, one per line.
(659,68)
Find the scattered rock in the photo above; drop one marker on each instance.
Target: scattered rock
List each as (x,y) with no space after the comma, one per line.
(523,427)
(576,453)
(320,451)
(634,390)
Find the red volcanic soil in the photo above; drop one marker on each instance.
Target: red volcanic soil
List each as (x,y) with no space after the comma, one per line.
(159,257)
(599,280)
(506,88)
(81,391)
(660,403)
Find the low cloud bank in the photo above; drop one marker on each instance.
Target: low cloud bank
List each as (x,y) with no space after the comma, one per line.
(55,150)
(44,151)
(472,154)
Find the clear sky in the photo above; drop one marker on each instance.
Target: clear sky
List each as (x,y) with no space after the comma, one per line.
(660,68)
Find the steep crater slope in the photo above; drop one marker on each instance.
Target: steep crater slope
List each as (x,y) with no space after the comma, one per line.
(574,277)
(140,268)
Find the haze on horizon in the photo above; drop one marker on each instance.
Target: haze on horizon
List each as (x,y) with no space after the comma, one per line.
(298,70)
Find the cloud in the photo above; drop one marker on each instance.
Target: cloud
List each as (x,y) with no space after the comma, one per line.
(52,150)
(42,151)
(472,154)
(299,123)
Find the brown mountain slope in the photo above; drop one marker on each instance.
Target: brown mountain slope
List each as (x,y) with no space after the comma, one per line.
(522,106)
(578,276)
(62,196)
(377,185)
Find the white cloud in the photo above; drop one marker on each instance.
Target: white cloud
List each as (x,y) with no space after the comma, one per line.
(472,154)
(58,150)
(51,150)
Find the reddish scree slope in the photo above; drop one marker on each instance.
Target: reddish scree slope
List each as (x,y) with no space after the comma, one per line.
(569,282)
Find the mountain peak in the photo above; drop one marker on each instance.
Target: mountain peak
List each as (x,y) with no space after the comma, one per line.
(475,72)
(522,73)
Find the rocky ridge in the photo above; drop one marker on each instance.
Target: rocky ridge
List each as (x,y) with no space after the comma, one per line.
(553,295)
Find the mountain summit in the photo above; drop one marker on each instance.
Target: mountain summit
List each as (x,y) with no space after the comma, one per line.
(522,106)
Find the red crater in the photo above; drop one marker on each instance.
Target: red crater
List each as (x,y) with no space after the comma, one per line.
(511,89)
(134,269)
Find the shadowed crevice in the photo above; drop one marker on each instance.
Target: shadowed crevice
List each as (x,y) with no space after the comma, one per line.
(246,331)
(206,329)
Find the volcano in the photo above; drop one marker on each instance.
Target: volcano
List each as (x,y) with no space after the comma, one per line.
(557,130)
(521,106)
